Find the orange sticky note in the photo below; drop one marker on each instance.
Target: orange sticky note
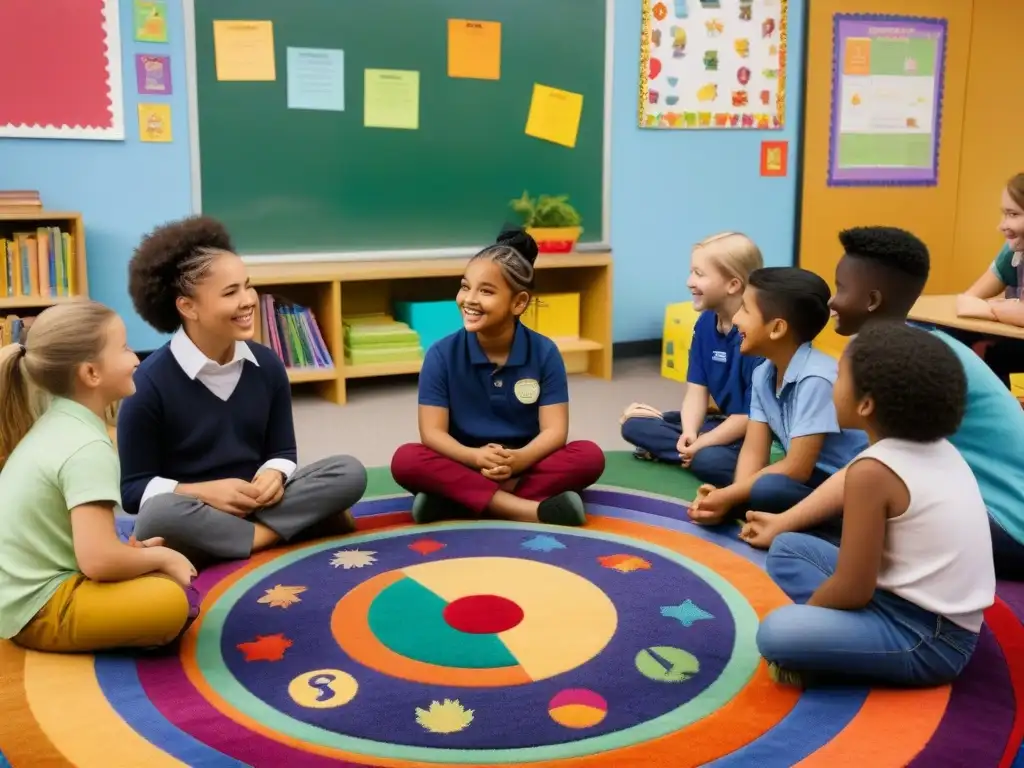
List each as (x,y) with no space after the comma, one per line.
(554,115)
(474,49)
(244,50)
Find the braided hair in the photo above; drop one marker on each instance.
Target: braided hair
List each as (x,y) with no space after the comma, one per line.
(515,252)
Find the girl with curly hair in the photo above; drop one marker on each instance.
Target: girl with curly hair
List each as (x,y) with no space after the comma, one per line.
(207,441)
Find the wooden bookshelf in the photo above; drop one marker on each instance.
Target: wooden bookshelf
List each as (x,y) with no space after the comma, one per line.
(335,289)
(29,219)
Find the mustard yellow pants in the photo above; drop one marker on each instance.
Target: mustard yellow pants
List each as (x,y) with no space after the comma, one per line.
(86,615)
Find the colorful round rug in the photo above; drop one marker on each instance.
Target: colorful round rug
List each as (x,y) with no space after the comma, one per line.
(629,642)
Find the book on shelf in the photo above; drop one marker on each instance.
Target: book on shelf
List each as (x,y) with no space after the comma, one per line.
(20,199)
(13,329)
(39,263)
(379,338)
(293,333)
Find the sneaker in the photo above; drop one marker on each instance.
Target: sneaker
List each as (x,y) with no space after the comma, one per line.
(785,676)
(563,509)
(430,509)
(643,454)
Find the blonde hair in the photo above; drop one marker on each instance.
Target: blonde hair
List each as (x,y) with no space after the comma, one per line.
(59,340)
(733,253)
(1015,187)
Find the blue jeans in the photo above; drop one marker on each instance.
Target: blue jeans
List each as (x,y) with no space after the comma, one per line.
(890,640)
(715,464)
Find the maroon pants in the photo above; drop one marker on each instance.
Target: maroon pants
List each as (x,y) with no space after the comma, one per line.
(419,469)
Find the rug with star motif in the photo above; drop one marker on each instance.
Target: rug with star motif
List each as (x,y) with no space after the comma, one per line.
(628,642)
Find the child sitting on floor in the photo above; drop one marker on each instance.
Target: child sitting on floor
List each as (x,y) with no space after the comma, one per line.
(494,408)
(901,599)
(783,310)
(708,447)
(67,582)
(207,442)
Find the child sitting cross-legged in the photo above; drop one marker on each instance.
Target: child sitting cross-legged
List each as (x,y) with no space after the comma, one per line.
(708,447)
(900,600)
(783,310)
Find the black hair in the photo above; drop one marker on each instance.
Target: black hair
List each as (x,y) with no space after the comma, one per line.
(169,262)
(795,295)
(901,257)
(516,253)
(915,378)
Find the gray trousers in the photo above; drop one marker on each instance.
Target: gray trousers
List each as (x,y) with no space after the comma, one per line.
(313,494)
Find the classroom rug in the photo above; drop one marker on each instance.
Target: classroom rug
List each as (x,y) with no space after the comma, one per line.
(629,642)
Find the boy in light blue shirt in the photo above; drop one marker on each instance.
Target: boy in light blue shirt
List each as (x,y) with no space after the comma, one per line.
(783,310)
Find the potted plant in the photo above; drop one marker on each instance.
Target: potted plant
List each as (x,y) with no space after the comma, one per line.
(551,220)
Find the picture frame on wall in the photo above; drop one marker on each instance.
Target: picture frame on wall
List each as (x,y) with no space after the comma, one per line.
(887,88)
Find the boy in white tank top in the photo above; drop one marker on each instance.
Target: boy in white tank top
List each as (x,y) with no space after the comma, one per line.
(900,601)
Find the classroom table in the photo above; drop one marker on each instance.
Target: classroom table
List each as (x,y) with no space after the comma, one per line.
(941,311)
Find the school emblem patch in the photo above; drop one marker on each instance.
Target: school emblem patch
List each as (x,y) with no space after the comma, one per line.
(527,391)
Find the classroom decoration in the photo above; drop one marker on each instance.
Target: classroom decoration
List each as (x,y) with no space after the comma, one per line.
(551,220)
(155,123)
(150,18)
(408,140)
(774,158)
(153,74)
(61,67)
(292,332)
(887,87)
(713,64)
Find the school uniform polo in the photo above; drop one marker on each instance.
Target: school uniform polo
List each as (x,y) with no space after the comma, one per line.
(803,406)
(716,363)
(488,403)
(66,460)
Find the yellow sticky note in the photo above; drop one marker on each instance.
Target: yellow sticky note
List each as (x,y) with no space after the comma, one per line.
(244,50)
(391,99)
(554,115)
(155,122)
(474,49)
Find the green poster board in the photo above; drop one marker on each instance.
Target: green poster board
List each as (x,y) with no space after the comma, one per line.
(294,181)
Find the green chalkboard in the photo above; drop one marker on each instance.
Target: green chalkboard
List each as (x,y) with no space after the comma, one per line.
(306,181)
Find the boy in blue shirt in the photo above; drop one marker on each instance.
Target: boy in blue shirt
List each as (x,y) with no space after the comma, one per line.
(879,277)
(708,446)
(783,310)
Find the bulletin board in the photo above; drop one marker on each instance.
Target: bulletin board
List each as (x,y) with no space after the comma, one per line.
(368,130)
(718,64)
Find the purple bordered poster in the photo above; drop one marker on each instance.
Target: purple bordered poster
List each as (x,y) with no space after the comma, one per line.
(887,74)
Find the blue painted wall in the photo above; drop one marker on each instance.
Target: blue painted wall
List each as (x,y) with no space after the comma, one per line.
(669,188)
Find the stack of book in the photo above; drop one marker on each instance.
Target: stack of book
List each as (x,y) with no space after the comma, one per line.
(292,332)
(40,263)
(380,339)
(19,200)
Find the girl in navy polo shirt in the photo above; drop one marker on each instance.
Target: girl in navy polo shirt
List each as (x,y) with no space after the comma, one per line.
(708,447)
(207,442)
(494,408)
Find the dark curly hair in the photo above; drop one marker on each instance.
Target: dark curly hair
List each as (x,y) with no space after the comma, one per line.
(900,259)
(169,262)
(795,295)
(916,380)
(515,251)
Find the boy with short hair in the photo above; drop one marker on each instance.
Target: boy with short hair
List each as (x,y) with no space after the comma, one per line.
(783,310)
(880,276)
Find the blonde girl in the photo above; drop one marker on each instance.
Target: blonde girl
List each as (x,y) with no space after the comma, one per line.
(707,446)
(67,583)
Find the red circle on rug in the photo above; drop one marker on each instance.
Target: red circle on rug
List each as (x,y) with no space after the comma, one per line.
(483,614)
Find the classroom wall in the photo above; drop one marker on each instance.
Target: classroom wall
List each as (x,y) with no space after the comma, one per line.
(669,188)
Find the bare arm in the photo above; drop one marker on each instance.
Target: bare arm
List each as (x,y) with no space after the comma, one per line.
(433,422)
(734,428)
(554,431)
(823,504)
(100,554)
(1008,312)
(987,286)
(873,492)
(755,452)
(695,409)
(798,464)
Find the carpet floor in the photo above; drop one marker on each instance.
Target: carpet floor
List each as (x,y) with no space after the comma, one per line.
(626,643)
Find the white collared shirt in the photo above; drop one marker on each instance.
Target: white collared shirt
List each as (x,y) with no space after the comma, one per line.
(221,380)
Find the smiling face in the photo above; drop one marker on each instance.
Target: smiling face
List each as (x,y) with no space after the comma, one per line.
(708,284)
(485,298)
(755,330)
(223,303)
(112,370)
(1011,225)
(856,296)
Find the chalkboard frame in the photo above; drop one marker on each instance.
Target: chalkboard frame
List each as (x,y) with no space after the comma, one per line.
(195,164)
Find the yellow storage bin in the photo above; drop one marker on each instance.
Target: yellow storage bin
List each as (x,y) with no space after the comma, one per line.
(556,315)
(676,337)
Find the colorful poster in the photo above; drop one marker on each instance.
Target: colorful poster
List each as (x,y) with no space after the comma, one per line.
(316,79)
(886,100)
(713,64)
(153,74)
(554,115)
(391,99)
(244,50)
(474,49)
(774,158)
(155,123)
(150,21)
